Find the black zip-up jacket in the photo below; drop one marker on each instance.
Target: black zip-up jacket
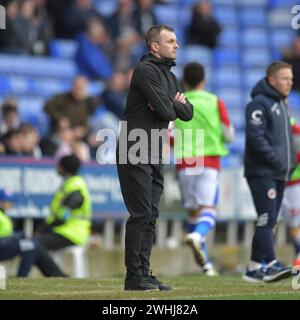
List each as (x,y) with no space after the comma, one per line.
(150,103)
(269,149)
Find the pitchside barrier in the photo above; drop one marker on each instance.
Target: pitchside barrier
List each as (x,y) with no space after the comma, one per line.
(33,183)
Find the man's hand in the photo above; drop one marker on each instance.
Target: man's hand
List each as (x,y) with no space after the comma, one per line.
(150,106)
(180,97)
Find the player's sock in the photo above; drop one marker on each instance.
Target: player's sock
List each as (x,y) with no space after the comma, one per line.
(204,250)
(296,242)
(206,221)
(192,223)
(253,265)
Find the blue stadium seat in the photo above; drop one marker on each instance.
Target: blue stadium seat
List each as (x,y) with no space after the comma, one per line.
(238,145)
(37,66)
(281,38)
(229,37)
(167,14)
(106,8)
(65,49)
(256,57)
(256,37)
(280,17)
(223,2)
(30,105)
(249,3)
(226,15)
(294,100)
(253,17)
(252,76)
(226,56)
(195,53)
(233,98)
(4,85)
(281,3)
(49,87)
(232,161)
(227,77)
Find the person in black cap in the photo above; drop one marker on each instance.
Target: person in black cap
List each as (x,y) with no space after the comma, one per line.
(13,244)
(69,221)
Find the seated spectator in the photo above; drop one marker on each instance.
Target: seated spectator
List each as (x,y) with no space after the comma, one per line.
(75,106)
(13,244)
(70,16)
(20,35)
(30,137)
(13,142)
(10,117)
(204,29)
(129,42)
(144,16)
(43,25)
(292,56)
(115,94)
(64,141)
(94,51)
(69,222)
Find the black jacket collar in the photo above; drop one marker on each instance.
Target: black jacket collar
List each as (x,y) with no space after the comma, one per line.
(163,61)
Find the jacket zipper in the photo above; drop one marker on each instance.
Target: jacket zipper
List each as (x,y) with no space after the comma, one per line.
(287,140)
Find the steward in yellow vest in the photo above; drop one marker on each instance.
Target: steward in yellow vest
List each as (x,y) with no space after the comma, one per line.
(69,222)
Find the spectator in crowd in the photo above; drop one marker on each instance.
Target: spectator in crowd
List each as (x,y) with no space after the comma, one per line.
(74,107)
(13,142)
(200,186)
(69,222)
(64,141)
(30,141)
(94,56)
(11,38)
(269,162)
(144,16)
(13,244)
(43,25)
(204,29)
(115,94)
(292,56)
(10,117)
(129,43)
(291,199)
(70,17)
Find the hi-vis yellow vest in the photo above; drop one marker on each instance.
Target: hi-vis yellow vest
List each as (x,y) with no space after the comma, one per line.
(77,225)
(207,117)
(6,226)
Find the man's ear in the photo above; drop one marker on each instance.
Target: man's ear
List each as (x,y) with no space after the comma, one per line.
(154,46)
(271,80)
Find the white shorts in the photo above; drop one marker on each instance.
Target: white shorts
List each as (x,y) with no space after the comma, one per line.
(290,208)
(201,189)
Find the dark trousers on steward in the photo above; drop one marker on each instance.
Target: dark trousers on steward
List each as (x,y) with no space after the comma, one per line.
(267,194)
(45,263)
(142,187)
(17,245)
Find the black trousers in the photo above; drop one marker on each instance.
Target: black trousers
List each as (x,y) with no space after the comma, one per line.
(142,187)
(267,194)
(45,263)
(17,245)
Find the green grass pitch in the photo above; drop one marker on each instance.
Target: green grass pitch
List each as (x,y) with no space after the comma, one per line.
(192,287)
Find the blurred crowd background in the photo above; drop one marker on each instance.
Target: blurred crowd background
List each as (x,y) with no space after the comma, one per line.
(65,66)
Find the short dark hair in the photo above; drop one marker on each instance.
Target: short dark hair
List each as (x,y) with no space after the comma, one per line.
(274,67)
(70,163)
(153,33)
(193,74)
